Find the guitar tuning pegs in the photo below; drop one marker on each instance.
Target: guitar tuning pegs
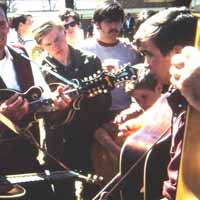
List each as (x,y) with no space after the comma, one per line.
(90,78)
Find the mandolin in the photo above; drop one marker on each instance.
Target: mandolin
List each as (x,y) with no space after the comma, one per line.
(99,83)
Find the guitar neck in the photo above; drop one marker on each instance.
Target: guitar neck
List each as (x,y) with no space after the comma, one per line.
(36,177)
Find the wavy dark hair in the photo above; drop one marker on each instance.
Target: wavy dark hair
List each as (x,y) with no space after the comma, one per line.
(109,10)
(167,28)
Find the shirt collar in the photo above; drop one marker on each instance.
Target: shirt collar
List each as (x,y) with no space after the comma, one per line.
(8,54)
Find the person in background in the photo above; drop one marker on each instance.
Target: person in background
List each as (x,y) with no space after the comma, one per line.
(71,22)
(113,53)
(21,31)
(90,30)
(128,26)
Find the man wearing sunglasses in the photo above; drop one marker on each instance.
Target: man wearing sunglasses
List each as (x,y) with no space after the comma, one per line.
(71,22)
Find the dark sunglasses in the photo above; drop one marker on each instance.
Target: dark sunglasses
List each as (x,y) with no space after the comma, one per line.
(71,24)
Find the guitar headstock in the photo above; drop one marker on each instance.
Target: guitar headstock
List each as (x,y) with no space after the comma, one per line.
(102,81)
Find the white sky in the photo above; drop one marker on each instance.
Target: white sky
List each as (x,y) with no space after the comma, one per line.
(36,5)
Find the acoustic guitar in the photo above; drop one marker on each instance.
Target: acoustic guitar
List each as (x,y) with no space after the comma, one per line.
(136,148)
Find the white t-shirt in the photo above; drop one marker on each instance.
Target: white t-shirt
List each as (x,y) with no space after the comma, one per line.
(118,55)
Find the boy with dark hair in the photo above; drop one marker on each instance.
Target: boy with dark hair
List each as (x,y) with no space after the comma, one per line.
(145,92)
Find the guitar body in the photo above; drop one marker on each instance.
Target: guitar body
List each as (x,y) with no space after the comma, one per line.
(102,157)
(133,154)
(155,171)
(103,162)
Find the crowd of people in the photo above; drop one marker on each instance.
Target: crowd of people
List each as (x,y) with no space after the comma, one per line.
(84,123)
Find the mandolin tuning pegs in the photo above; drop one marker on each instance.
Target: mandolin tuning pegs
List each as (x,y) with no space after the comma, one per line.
(91,94)
(100,91)
(85,79)
(98,72)
(96,92)
(118,86)
(95,177)
(94,75)
(105,91)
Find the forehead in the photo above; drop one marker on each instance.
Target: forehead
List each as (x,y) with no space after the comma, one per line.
(109,20)
(149,46)
(50,34)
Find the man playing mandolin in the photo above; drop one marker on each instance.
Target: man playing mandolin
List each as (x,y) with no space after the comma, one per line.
(70,143)
(18,153)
